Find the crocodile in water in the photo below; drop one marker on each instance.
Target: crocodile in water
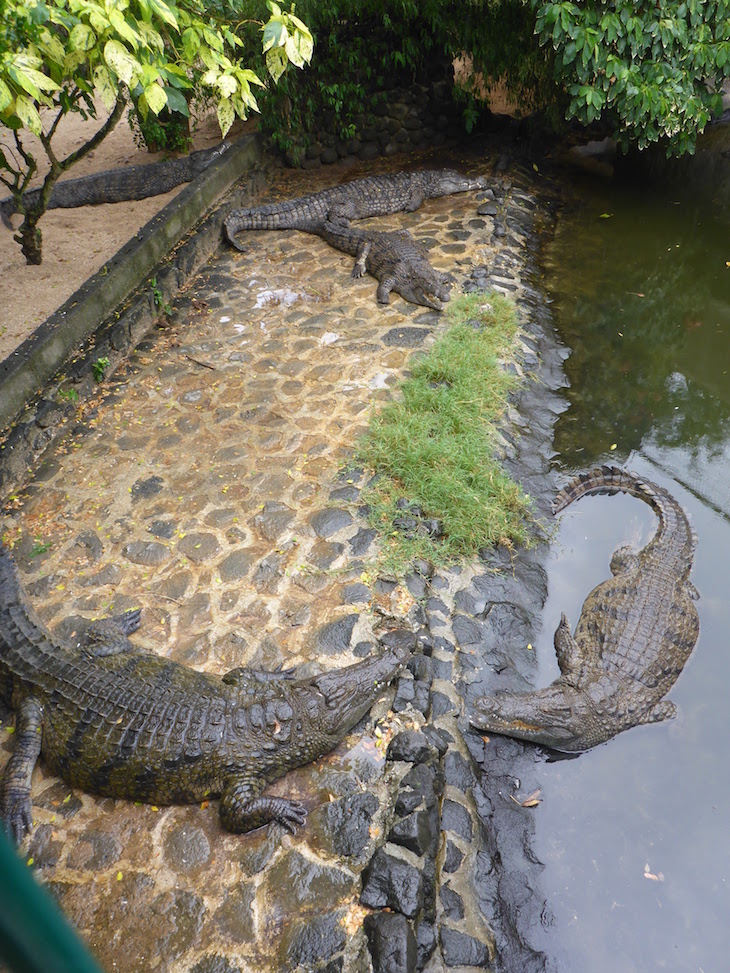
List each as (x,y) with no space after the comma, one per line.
(119,185)
(634,635)
(371,196)
(123,723)
(394,258)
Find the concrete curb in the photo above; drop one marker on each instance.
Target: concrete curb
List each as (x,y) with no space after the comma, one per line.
(92,319)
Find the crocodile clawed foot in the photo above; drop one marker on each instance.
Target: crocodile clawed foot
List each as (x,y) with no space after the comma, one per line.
(292,815)
(17,820)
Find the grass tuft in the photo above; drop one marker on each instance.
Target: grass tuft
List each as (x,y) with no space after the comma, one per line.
(432,448)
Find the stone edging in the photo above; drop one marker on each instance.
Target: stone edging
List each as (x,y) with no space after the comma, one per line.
(456,867)
(90,324)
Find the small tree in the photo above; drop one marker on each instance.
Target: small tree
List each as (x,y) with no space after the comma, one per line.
(59,56)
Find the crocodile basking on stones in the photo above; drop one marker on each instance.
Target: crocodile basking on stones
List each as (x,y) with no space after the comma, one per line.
(122,723)
(394,258)
(361,198)
(634,635)
(119,185)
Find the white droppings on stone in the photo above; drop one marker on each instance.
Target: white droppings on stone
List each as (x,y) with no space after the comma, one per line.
(225,319)
(379,381)
(329,338)
(280,296)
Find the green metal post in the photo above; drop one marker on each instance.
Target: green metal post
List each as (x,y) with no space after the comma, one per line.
(35,936)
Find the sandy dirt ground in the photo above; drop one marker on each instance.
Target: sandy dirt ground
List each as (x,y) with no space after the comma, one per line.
(77,242)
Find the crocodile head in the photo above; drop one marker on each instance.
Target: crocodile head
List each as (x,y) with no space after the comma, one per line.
(424,290)
(449,181)
(559,717)
(338,699)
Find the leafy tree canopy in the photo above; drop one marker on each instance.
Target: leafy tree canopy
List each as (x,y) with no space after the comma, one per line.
(61,56)
(654,66)
(651,68)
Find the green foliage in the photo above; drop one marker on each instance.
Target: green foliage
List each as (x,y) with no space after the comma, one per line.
(99,368)
(434,445)
(653,66)
(58,56)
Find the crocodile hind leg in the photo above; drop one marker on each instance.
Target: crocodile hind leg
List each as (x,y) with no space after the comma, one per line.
(567,649)
(659,712)
(108,636)
(15,807)
(242,809)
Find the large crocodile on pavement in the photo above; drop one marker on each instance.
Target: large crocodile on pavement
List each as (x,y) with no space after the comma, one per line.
(123,723)
(394,258)
(358,199)
(634,635)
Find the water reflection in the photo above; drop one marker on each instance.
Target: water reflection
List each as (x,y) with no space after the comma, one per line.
(633,834)
(642,296)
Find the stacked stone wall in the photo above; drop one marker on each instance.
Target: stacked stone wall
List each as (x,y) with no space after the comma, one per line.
(399,120)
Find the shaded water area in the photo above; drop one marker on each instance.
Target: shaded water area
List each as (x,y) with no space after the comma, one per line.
(633,834)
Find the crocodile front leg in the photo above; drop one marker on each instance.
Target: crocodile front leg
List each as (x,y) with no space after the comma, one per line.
(242,809)
(15,807)
(108,636)
(384,288)
(360,268)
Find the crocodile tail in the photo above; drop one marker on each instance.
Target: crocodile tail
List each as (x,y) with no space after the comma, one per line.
(609,480)
(674,526)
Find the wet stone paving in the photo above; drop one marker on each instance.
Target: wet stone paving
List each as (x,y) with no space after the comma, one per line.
(212,485)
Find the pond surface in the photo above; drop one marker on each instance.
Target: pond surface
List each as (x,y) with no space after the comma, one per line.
(634,834)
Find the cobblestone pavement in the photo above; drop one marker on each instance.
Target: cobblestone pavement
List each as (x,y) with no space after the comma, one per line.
(210,486)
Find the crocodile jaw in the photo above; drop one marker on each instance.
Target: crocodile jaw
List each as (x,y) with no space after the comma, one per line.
(345,695)
(556,717)
(451,181)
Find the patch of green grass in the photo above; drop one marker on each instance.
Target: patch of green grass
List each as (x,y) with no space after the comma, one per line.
(433,446)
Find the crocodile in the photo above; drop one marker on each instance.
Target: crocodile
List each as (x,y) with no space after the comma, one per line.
(118,185)
(635,633)
(116,721)
(358,199)
(394,258)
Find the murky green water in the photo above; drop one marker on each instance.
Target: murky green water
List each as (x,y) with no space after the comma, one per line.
(634,834)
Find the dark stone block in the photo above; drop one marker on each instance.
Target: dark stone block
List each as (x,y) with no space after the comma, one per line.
(422,784)
(362,540)
(452,903)
(357,592)
(458,949)
(421,666)
(273,520)
(348,822)
(456,818)
(334,637)
(328,521)
(458,772)
(425,942)
(391,942)
(314,941)
(411,746)
(162,528)
(404,694)
(143,489)
(406,337)
(389,882)
(453,857)
(414,832)
(441,704)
